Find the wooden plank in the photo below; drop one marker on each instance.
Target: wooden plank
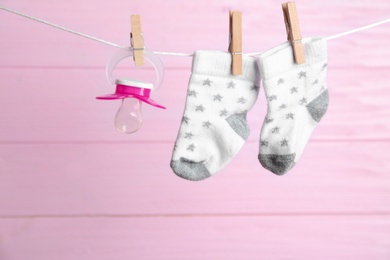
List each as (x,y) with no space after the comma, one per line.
(58,105)
(71,187)
(202,26)
(274,237)
(135,179)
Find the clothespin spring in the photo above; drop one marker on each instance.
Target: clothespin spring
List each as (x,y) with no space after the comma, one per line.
(132,43)
(230,45)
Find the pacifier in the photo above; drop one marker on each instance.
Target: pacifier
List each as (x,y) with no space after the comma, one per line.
(132,92)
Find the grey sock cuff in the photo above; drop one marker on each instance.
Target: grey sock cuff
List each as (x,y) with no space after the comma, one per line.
(218,63)
(280,59)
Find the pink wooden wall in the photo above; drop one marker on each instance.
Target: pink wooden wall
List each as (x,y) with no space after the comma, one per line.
(71,187)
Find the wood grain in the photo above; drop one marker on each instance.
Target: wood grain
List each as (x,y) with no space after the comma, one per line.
(57,105)
(135,179)
(273,237)
(203,25)
(72,187)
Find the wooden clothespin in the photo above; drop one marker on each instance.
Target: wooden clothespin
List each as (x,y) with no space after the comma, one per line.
(137,41)
(235,44)
(293,31)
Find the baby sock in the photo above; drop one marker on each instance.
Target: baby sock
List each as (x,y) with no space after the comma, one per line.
(214,126)
(297,100)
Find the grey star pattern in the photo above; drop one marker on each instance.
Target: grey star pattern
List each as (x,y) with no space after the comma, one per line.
(303,101)
(272,98)
(294,90)
(199,108)
(185,120)
(324,66)
(268,120)
(290,116)
(302,74)
(255,88)
(315,82)
(322,88)
(206,124)
(192,93)
(241,100)
(188,135)
(223,112)
(191,147)
(231,84)
(175,147)
(207,82)
(283,106)
(218,97)
(284,142)
(275,130)
(280,81)
(263,143)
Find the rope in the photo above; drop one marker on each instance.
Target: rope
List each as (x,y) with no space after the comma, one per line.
(167,53)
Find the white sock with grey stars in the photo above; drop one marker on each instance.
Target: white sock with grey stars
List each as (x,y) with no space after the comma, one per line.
(214,126)
(297,100)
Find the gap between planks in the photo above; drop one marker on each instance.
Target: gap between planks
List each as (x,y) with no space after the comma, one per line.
(187,68)
(124,142)
(200,215)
